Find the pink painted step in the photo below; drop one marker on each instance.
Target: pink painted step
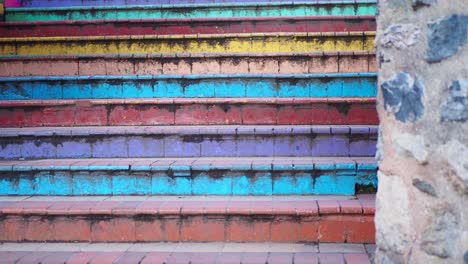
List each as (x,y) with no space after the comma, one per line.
(203,253)
(185,64)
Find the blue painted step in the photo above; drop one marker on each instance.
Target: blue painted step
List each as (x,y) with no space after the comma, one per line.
(192,86)
(189,176)
(180,141)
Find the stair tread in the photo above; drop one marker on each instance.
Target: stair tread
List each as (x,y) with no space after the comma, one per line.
(195,205)
(195,5)
(166,101)
(188,252)
(190,76)
(189,130)
(195,36)
(198,163)
(190,247)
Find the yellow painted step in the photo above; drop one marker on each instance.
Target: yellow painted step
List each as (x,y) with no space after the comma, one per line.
(167,44)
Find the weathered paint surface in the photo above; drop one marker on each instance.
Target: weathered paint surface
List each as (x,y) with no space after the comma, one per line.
(188,26)
(183,64)
(158,220)
(201,86)
(93,100)
(170,44)
(219,142)
(114,180)
(297,111)
(12,3)
(193,11)
(366,175)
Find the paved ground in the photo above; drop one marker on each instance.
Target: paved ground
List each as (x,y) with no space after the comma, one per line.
(176,198)
(170,253)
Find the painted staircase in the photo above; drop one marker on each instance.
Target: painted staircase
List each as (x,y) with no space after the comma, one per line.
(211,131)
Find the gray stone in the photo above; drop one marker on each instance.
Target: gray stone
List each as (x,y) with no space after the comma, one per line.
(456,152)
(393,233)
(380,151)
(384,257)
(400,36)
(416,4)
(456,108)
(446,36)
(424,187)
(383,58)
(438,239)
(408,145)
(403,95)
(398,4)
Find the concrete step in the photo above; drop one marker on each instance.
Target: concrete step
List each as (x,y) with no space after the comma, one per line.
(191,86)
(186,64)
(204,111)
(212,10)
(197,43)
(152,219)
(185,253)
(187,26)
(188,176)
(191,141)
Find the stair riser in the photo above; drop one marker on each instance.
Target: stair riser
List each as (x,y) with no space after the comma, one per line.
(300,64)
(67,3)
(88,87)
(202,26)
(193,11)
(259,43)
(187,146)
(338,229)
(71,113)
(95,181)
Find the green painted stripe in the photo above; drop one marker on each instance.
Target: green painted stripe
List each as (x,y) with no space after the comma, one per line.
(367,8)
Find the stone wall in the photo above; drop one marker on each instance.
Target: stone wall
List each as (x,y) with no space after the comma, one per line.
(422,205)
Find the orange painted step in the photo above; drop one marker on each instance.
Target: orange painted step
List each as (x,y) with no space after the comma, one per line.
(306,219)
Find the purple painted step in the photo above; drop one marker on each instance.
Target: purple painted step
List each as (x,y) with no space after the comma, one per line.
(187,141)
(66,3)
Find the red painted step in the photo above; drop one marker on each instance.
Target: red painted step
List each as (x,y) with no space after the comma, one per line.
(194,253)
(189,219)
(188,26)
(215,111)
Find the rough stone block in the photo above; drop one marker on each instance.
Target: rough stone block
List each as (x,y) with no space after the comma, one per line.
(446,36)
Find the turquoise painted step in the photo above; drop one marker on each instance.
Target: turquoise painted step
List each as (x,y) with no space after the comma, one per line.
(194,86)
(329,8)
(200,176)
